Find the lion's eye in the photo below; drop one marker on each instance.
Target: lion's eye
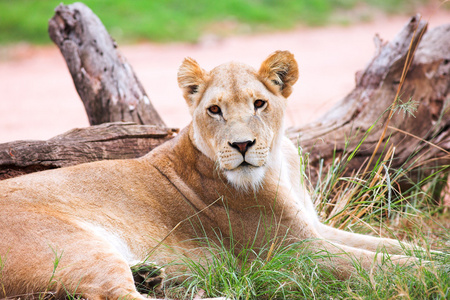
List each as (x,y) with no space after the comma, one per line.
(259,103)
(215,110)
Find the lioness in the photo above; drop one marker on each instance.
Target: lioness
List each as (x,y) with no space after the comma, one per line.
(232,168)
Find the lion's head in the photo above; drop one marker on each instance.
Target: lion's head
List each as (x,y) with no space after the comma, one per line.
(238,113)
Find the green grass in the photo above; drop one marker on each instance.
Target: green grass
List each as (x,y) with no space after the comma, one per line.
(293,272)
(178,20)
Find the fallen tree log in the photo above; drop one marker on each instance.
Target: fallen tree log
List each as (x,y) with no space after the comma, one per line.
(81,145)
(421,124)
(105,81)
(427,83)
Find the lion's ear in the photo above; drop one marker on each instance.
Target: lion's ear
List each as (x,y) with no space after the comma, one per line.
(280,70)
(190,78)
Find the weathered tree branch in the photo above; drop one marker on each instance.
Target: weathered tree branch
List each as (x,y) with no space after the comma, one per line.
(105,81)
(107,141)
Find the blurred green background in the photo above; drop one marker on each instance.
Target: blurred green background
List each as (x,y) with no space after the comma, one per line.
(179,20)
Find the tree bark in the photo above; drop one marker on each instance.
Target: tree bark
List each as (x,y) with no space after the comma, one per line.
(107,141)
(105,81)
(426,134)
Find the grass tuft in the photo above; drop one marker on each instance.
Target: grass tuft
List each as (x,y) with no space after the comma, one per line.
(294,272)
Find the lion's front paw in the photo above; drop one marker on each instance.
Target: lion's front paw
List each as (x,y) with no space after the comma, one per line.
(147,277)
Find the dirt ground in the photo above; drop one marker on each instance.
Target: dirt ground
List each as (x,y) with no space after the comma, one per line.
(38,99)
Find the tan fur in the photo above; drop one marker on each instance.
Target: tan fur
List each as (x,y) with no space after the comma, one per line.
(100,218)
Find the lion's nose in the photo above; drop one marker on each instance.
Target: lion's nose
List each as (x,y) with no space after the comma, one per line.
(242,146)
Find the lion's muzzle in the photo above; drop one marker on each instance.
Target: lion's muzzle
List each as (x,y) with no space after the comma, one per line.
(242,154)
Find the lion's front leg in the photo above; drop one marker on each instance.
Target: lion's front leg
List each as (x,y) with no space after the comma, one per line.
(343,252)
(343,260)
(361,241)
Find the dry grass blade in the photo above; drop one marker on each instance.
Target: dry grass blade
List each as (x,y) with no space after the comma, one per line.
(341,200)
(178,225)
(419,138)
(354,215)
(409,58)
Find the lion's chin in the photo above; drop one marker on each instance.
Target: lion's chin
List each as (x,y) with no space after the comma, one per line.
(246,177)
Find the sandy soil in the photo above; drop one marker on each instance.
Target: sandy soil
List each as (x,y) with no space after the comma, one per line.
(38,99)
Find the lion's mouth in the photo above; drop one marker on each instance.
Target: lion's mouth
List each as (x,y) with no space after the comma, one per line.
(245,164)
